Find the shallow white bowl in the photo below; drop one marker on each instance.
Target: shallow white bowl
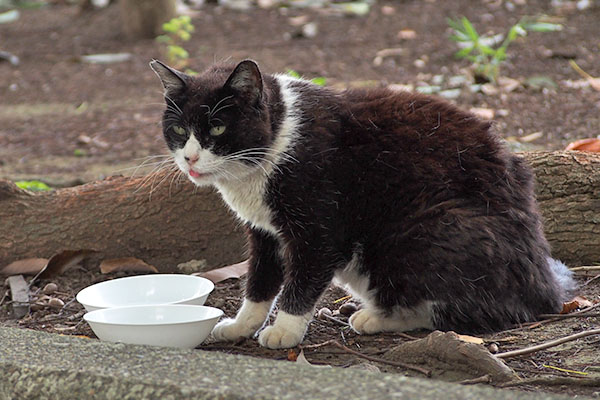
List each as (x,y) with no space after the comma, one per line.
(173,325)
(146,290)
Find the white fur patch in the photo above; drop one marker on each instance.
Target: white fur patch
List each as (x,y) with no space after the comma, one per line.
(249,319)
(247,195)
(287,331)
(353,281)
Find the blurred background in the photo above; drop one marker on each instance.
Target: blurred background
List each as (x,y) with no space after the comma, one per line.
(78,101)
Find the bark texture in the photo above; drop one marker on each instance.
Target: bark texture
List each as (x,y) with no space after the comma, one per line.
(168,224)
(568,191)
(163,225)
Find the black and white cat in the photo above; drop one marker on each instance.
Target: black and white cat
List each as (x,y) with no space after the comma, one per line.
(408,201)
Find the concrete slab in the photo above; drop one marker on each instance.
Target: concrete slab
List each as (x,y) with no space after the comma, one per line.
(38,365)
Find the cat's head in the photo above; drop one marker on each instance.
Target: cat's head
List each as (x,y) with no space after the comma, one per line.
(216,124)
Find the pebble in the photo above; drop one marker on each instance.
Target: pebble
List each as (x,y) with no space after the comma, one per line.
(50,288)
(347,309)
(56,303)
(323,313)
(493,348)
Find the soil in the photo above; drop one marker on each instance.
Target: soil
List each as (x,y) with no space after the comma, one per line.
(66,122)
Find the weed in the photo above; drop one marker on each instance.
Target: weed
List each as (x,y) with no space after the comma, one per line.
(34,186)
(320,80)
(486,53)
(177,31)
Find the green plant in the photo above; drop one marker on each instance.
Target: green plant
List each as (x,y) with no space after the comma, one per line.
(320,80)
(177,31)
(486,53)
(34,186)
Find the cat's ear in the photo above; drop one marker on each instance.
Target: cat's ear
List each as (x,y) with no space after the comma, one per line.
(246,80)
(173,81)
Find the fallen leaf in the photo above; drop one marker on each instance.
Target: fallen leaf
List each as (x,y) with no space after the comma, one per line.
(126,264)
(591,144)
(485,113)
(27,266)
(301,359)
(470,339)
(230,271)
(594,82)
(531,137)
(577,303)
(62,261)
(20,296)
(407,34)
(292,355)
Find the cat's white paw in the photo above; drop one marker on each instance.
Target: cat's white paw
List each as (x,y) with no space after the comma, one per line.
(278,337)
(231,330)
(287,331)
(249,319)
(366,321)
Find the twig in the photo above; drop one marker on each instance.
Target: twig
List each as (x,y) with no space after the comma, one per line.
(590,280)
(572,315)
(370,358)
(586,268)
(555,381)
(552,343)
(482,379)
(336,320)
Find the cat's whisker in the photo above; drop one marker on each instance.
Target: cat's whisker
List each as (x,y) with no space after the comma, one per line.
(171,102)
(216,107)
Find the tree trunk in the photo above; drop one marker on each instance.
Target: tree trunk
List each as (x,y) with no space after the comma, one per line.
(568,191)
(143,19)
(167,224)
(163,225)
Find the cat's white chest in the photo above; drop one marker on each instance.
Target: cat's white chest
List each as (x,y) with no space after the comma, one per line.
(247,199)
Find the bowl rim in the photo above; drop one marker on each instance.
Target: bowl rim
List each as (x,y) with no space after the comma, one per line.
(83,292)
(218,314)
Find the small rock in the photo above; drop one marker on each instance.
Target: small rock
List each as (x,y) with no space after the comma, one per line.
(310,30)
(485,113)
(489,89)
(56,303)
(50,288)
(493,348)
(193,266)
(323,313)
(348,309)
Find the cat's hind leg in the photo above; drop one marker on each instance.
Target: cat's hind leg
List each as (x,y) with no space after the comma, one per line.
(369,319)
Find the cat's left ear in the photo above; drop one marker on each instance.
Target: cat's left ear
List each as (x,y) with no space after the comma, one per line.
(246,80)
(173,81)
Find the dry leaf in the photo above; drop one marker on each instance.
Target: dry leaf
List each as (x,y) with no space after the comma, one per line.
(591,144)
(470,339)
(230,271)
(485,113)
(27,266)
(62,261)
(126,264)
(301,359)
(292,355)
(594,82)
(577,303)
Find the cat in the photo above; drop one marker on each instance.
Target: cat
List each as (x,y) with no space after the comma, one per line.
(412,204)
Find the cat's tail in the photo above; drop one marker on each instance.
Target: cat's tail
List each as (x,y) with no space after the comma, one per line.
(564,277)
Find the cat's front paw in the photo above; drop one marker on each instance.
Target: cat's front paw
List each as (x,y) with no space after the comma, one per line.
(278,337)
(231,330)
(366,321)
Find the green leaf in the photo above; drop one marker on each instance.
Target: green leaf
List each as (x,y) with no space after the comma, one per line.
(469,29)
(321,81)
(293,74)
(34,186)
(486,49)
(463,52)
(542,27)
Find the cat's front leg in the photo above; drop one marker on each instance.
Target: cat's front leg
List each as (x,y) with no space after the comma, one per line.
(306,281)
(265,276)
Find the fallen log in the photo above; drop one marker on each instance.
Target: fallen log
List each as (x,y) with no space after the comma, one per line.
(171,223)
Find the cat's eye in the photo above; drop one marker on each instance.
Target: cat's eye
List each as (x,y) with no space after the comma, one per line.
(217,130)
(179,130)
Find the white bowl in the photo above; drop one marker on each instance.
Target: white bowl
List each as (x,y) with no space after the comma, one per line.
(184,326)
(146,290)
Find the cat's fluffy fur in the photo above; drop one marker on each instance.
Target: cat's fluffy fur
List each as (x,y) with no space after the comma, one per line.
(411,203)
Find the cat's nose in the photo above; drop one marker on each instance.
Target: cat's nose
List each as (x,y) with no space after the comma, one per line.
(191,159)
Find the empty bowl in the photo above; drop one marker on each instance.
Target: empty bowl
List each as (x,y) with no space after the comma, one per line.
(140,290)
(174,325)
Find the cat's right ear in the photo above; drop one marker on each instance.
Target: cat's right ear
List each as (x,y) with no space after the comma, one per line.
(173,81)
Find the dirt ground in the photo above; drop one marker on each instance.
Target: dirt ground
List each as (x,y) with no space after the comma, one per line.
(66,122)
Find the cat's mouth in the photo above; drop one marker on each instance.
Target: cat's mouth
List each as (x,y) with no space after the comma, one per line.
(198,175)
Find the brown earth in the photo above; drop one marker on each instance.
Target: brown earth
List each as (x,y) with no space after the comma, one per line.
(65,122)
